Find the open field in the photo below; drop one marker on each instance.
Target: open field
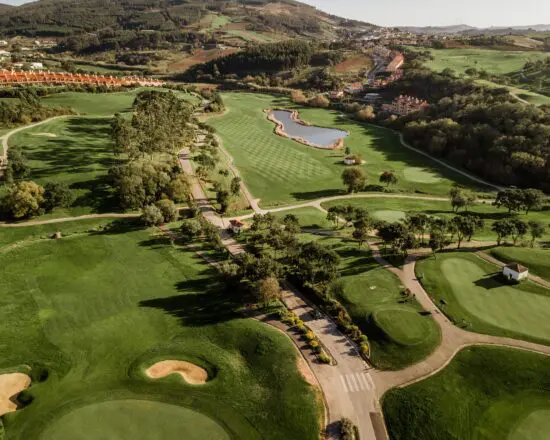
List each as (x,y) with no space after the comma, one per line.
(473,293)
(484,394)
(308,217)
(90,338)
(389,209)
(78,153)
(101,104)
(278,170)
(537,260)
(493,61)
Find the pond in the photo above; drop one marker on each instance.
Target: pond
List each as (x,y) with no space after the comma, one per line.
(317,136)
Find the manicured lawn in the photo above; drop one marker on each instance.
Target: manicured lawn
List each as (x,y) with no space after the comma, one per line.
(279,171)
(485,393)
(393,209)
(399,333)
(76,151)
(308,217)
(493,61)
(473,293)
(537,260)
(95,309)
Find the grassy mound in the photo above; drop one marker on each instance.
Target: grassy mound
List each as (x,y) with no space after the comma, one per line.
(97,307)
(135,419)
(415,174)
(402,325)
(279,170)
(476,295)
(485,393)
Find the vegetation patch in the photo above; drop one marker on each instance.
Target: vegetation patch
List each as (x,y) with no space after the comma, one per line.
(485,393)
(475,295)
(415,174)
(389,215)
(402,325)
(537,260)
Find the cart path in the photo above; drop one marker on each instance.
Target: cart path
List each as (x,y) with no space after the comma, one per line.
(453,338)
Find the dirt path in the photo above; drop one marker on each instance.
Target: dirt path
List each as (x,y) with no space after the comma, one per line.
(453,339)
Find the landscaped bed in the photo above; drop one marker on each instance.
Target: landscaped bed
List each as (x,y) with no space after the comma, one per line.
(90,320)
(475,295)
(484,394)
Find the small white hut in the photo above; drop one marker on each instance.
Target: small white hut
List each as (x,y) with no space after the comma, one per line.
(515,271)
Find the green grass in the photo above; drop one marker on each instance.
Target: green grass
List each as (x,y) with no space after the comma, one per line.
(399,333)
(214,22)
(537,260)
(95,309)
(390,210)
(484,394)
(526,95)
(308,217)
(135,419)
(252,36)
(79,155)
(279,171)
(476,295)
(493,61)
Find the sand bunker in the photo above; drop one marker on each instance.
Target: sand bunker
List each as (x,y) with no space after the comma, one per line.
(50,135)
(11,385)
(191,373)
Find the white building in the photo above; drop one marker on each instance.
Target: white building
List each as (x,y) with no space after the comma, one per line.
(350,160)
(36,66)
(236,226)
(3,43)
(515,271)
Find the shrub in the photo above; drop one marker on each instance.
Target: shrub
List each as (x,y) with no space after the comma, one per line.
(190,229)
(152,216)
(24,200)
(347,429)
(168,210)
(315,346)
(324,358)
(298,97)
(365,349)
(302,328)
(57,194)
(320,101)
(309,335)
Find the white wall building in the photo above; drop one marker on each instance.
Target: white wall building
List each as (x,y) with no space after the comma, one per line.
(515,272)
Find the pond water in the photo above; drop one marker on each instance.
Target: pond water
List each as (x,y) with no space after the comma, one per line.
(319,136)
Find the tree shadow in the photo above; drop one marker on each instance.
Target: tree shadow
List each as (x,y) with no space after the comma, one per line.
(311,195)
(120,226)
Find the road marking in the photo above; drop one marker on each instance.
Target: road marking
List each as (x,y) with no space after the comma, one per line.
(356,382)
(344,384)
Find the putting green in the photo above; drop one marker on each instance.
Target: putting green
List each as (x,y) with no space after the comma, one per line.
(389,215)
(402,326)
(535,426)
(420,175)
(504,306)
(136,420)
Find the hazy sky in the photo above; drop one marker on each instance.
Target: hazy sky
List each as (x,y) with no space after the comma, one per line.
(482,13)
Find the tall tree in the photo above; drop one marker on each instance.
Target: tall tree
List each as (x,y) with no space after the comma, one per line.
(354,178)
(537,230)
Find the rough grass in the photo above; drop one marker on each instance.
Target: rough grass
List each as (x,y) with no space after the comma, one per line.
(65,308)
(278,170)
(442,209)
(537,260)
(485,393)
(526,95)
(401,335)
(478,297)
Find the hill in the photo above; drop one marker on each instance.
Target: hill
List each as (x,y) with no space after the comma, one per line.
(4,7)
(466,30)
(237,18)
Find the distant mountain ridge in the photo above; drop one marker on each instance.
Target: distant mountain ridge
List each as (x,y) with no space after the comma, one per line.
(464,29)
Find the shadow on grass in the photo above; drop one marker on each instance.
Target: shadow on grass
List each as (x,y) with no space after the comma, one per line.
(492,281)
(311,195)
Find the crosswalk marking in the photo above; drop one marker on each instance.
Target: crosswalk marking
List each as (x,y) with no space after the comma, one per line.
(356,382)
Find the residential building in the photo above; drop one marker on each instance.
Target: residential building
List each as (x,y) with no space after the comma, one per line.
(236,226)
(336,94)
(36,66)
(404,105)
(3,43)
(354,89)
(515,271)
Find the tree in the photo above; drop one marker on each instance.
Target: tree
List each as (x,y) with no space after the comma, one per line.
(533,199)
(298,97)
(291,224)
(168,209)
(438,241)
(57,195)
(222,197)
(388,177)
(519,229)
(123,136)
(179,189)
(320,101)
(316,263)
(235,186)
(503,228)
(354,178)
(151,215)
(256,269)
(24,199)
(417,223)
(17,168)
(537,230)
(461,198)
(466,226)
(332,215)
(360,234)
(512,199)
(267,290)
(190,229)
